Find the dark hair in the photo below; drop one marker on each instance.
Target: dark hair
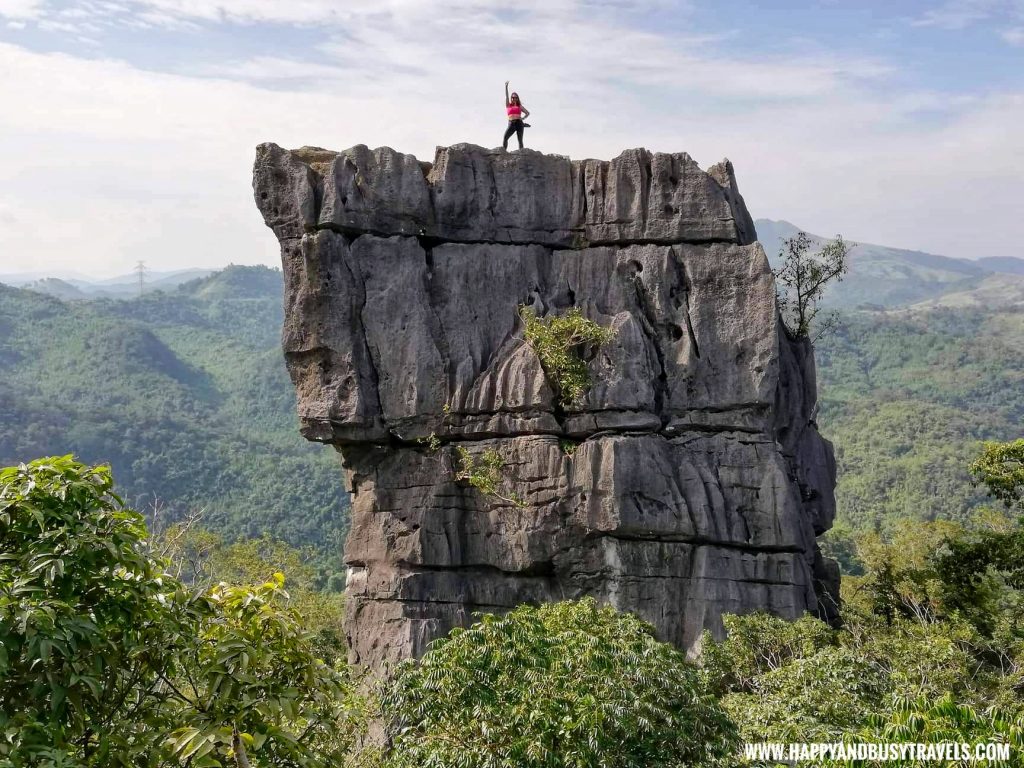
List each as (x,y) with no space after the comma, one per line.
(514,98)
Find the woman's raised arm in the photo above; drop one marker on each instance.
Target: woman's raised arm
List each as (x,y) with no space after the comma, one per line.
(506,93)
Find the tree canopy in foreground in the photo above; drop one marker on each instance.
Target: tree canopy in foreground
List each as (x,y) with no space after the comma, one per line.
(113,655)
(565,684)
(107,660)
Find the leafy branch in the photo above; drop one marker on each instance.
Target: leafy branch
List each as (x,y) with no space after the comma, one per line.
(1000,468)
(485,473)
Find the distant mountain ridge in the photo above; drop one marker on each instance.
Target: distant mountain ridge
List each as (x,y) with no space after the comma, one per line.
(76,288)
(1006,265)
(881,277)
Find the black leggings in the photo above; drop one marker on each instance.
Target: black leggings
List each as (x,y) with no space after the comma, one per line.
(516,127)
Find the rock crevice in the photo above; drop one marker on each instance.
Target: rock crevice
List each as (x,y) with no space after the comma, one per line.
(697,480)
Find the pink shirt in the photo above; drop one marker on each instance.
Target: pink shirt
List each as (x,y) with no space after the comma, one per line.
(515,111)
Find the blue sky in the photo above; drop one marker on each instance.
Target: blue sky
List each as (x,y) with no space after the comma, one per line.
(128,127)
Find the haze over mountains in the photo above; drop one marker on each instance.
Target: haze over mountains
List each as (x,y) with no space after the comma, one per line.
(881,277)
(71,287)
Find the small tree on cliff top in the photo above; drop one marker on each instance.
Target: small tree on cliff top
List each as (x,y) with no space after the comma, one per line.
(802,279)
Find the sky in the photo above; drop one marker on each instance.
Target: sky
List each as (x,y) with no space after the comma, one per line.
(128,127)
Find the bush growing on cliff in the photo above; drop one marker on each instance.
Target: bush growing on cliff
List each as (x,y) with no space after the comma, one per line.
(565,684)
(107,660)
(485,473)
(558,341)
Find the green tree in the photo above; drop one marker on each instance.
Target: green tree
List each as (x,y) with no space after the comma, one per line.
(88,628)
(565,684)
(931,648)
(201,558)
(106,659)
(900,578)
(806,682)
(943,720)
(982,578)
(803,277)
(251,683)
(1000,468)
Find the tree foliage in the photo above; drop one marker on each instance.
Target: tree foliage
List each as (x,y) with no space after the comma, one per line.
(202,558)
(944,720)
(907,399)
(561,342)
(485,473)
(87,624)
(1000,468)
(253,691)
(566,684)
(106,659)
(982,579)
(931,649)
(803,277)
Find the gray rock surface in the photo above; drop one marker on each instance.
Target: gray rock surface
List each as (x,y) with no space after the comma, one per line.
(689,482)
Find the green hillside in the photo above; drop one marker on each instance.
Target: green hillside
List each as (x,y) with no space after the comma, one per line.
(906,396)
(184,393)
(994,292)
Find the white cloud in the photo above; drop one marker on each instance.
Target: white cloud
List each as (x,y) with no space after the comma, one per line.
(112,163)
(324,12)
(959,14)
(21,9)
(1014,36)
(331,11)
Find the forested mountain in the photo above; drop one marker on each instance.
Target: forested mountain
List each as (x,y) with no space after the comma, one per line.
(906,397)
(184,393)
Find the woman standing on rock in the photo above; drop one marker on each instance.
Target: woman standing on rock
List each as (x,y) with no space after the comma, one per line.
(516,114)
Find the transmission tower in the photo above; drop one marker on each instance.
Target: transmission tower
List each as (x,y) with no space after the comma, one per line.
(140,270)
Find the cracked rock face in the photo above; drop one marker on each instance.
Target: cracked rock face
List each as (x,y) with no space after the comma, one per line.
(689,482)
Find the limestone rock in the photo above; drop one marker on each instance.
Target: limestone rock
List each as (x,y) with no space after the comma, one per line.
(474,195)
(690,481)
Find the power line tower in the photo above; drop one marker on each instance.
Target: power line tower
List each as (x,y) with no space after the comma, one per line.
(140,270)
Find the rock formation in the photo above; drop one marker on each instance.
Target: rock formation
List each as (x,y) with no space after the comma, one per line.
(691,480)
